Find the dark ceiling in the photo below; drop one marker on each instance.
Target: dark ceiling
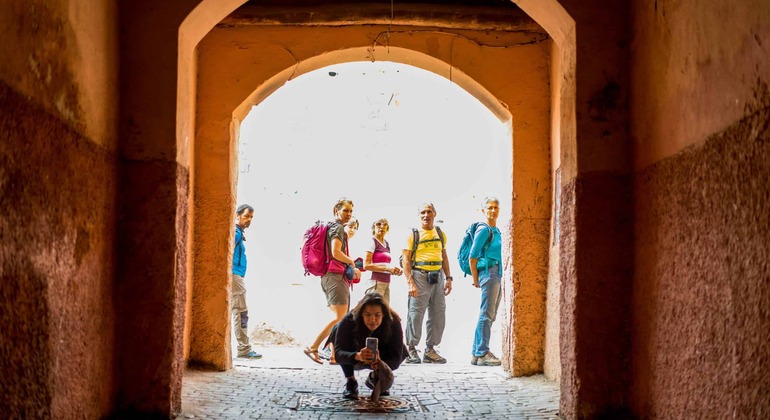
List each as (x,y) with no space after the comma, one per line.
(396,3)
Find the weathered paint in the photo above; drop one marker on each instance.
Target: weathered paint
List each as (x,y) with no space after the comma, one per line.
(57,266)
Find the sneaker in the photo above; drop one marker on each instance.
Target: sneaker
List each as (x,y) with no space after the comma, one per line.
(413,357)
(251,355)
(385,393)
(432,356)
(325,353)
(351,390)
(474,360)
(488,359)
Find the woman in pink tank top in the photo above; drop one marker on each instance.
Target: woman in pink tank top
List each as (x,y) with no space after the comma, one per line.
(378,261)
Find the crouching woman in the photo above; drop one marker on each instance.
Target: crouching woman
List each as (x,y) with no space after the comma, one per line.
(372,317)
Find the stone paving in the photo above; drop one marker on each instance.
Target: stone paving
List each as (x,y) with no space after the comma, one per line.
(286,384)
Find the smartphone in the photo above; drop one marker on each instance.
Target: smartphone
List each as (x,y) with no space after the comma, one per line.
(371,344)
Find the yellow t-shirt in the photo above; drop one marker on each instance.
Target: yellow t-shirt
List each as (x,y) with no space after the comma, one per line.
(428,248)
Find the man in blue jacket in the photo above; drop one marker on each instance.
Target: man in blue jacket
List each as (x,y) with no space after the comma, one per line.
(486,269)
(244,214)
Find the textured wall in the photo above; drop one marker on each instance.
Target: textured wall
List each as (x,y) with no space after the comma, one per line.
(57,207)
(702,154)
(702,282)
(595,219)
(58,111)
(152,211)
(595,329)
(552,356)
(695,66)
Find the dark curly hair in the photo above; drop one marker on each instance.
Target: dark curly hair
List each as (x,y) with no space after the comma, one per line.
(388,316)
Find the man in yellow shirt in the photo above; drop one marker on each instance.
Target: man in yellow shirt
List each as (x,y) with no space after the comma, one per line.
(426,268)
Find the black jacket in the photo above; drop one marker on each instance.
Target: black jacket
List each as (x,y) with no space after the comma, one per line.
(348,342)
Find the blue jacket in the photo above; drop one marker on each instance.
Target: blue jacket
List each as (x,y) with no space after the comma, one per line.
(495,249)
(239,253)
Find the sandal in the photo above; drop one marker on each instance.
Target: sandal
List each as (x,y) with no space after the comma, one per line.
(313,355)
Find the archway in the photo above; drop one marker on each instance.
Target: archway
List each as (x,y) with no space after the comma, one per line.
(232,82)
(389,127)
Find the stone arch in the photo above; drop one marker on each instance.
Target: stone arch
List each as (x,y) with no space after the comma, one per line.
(395,54)
(231,82)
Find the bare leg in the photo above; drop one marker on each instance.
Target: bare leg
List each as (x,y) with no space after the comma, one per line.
(339,312)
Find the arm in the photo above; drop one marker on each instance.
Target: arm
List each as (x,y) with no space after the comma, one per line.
(445,267)
(378,267)
(392,355)
(340,256)
(474,271)
(344,343)
(480,238)
(411,287)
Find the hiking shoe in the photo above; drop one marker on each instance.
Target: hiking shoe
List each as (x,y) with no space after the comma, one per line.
(488,359)
(474,360)
(432,356)
(413,357)
(325,353)
(351,390)
(251,355)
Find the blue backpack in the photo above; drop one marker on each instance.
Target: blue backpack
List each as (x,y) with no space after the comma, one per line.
(463,255)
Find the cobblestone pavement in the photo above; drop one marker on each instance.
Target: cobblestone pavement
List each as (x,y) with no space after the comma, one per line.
(286,384)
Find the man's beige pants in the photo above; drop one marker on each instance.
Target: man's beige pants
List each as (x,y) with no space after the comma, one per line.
(240,314)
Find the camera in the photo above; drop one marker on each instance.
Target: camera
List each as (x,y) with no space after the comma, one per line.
(371,344)
(433,277)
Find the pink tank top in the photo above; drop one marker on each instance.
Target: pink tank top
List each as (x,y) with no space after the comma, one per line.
(381,254)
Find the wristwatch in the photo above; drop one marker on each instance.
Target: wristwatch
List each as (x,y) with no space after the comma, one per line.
(449,277)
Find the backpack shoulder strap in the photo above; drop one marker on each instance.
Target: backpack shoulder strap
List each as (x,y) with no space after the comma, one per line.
(239,242)
(415,242)
(491,232)
(441,237)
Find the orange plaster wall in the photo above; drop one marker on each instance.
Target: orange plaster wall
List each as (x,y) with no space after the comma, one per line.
(696,68)
(702,204)
(58,182)
(235,62)
(63,56)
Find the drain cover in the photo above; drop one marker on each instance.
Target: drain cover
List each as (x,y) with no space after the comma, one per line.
(335,403)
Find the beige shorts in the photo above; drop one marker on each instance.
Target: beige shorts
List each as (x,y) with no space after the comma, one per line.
(335,288)
(380,287)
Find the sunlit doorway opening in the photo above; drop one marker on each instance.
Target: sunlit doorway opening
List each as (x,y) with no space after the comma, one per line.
(389,136)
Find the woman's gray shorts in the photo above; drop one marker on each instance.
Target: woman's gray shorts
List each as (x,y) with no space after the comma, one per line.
(335,288)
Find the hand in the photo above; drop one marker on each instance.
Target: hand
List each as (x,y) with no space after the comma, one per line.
(397,271)
(366,355)
(476,283)
(412,289)
(356,273)
(447,287)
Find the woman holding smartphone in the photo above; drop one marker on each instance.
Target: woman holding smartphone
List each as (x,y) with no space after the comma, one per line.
(372,318)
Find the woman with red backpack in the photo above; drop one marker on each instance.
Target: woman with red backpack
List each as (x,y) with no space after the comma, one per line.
(333,283)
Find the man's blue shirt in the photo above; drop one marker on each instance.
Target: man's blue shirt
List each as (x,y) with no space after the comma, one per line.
(495,249)
(239,253)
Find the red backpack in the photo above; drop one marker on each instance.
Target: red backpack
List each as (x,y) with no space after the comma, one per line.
(315,251)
